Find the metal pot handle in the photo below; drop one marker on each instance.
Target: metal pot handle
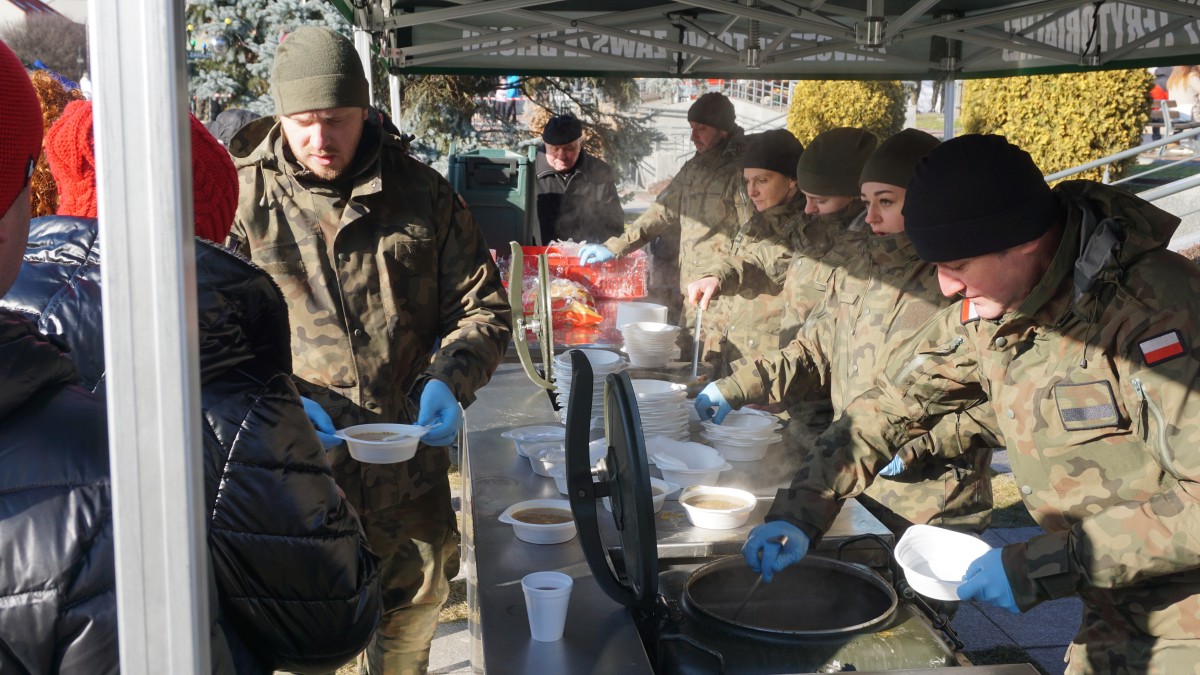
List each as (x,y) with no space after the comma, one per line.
(892,566)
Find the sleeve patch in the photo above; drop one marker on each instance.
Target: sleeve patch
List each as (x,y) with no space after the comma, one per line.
(1087,405)
(968,313)
(1162,347)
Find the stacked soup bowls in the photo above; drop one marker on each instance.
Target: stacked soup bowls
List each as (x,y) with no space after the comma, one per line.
(663,408)
(602,361)
(743,437)
(650,344)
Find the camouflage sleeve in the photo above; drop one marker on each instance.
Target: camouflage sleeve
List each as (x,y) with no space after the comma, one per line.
(763,262)
(938,375)
(612,215)
(788,375)
(1131,541)
(662,215)
(237,240)
(476,321)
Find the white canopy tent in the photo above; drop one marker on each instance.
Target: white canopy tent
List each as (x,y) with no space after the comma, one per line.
(137,55)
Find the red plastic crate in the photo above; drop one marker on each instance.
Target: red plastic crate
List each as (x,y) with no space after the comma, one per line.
(622,279)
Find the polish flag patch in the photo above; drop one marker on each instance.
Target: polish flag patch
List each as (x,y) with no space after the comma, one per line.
(968,312)
(1162,347)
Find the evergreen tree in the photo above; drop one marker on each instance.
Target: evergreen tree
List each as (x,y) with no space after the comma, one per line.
(231,44)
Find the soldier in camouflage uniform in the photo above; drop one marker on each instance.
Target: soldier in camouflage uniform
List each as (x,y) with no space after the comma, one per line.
(1078,327)
(754,286)
(396,309)
(698,215)
(883,294)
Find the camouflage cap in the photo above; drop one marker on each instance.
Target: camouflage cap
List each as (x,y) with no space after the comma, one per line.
(317,68)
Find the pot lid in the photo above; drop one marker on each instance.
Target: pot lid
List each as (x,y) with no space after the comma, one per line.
(623,476)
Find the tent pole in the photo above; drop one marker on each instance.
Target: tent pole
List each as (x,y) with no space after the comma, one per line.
(949,103)
(394,98)
(362,43)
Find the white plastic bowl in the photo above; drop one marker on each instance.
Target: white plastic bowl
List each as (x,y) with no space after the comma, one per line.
(935,559)
(659,489)
(534,434)
(741,453)
(559,474)
(543,457)
(535,533)
(717,518)
(382,452)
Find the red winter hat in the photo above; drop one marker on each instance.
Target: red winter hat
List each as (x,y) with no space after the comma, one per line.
(71,151)
(20,128)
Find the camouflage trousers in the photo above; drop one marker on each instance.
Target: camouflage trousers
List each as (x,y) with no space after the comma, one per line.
(418,545)
(1102,649)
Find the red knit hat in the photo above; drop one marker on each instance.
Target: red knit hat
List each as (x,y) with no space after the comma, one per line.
(20,128)
(71,151)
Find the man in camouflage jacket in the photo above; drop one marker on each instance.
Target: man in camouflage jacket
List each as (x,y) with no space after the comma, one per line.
(1078,328)
(882,295)
(697,215)
(393,299)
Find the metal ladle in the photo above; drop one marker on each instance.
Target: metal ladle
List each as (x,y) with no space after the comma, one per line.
(757,582)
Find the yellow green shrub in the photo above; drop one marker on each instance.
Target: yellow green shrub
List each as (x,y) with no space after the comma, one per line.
(1063,121)
(820,105)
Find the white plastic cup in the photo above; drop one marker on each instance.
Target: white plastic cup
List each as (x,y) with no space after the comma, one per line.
(547,595)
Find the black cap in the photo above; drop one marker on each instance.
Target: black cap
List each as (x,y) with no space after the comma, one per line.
(776,150)
(562,129)
(715,110)
(833,161)
(975,195)
(895,159)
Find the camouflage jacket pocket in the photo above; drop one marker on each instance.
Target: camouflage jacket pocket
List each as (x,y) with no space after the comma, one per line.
(284,260)
(414,257)
(1087,405)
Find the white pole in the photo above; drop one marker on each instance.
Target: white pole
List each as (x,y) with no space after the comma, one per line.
(394,98)
(143,153)
(949,103)
(362,43)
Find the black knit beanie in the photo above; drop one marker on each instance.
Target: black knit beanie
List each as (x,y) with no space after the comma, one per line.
(775,150)
(832,163)
(975,195)
(894,160)
(562,129)
(714,110)
(317,68)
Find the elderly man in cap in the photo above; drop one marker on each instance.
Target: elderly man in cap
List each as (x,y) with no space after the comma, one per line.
(60,610)
(576,192)
(696,217)
(1077,326)
(396,308)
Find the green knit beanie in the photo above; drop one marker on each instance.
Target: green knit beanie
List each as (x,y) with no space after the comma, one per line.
(316,68)
(895,158)
(831,164)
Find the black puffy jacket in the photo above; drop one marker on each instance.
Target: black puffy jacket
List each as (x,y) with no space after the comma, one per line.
(295,577)
(57,601)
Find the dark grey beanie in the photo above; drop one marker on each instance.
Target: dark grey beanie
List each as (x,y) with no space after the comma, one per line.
(715,110)
(975,195)
(776,150)
(832,163)
(317,68)
(895,159)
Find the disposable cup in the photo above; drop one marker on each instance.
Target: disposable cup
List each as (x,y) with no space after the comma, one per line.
(546,597)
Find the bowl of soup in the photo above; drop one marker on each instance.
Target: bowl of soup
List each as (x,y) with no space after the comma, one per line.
(382,443)
(717,508)
(541,521)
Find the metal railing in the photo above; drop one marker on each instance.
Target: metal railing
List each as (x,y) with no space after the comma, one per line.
(773,94)
(1106,162)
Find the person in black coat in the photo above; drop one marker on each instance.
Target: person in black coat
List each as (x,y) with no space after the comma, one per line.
(57,596)
(576,193)
(295,585)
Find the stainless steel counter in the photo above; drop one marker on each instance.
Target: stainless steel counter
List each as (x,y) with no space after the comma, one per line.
(600,636)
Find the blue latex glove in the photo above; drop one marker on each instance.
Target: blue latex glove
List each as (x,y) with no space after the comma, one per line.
(321,421)
(440,412)
(709,398)
(985,580)
(595,253)
(773,546)
(894,467)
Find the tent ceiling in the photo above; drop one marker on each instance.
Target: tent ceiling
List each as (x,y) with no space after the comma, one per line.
(795,39)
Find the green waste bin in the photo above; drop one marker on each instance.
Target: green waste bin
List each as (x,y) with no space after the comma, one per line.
(498,187)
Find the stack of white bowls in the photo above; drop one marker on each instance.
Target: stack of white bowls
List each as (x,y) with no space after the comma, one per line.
(603,362)
(663,407)
(685,463)
(650,344)
(743,437)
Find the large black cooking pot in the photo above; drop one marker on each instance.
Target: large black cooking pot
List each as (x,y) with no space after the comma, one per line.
(817,598)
